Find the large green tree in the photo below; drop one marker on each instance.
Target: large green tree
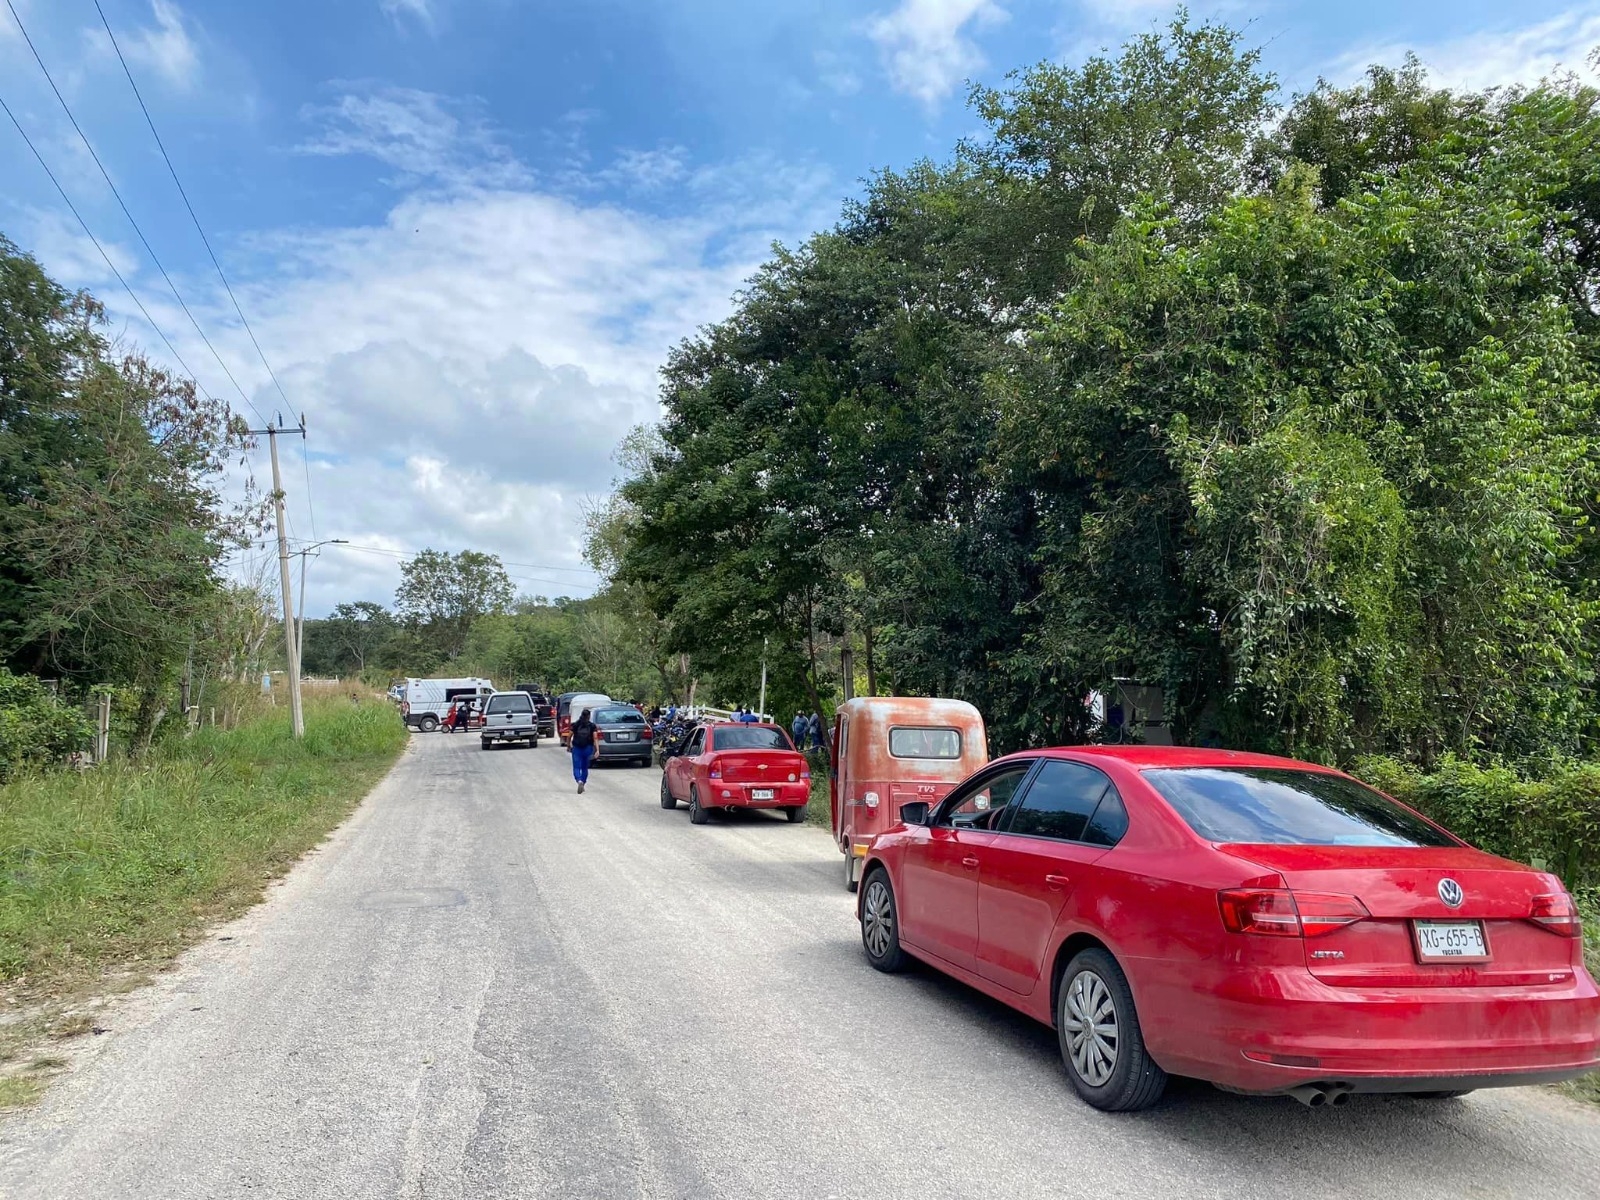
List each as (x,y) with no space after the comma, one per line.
(442,594)
(1296,420)
(111,514)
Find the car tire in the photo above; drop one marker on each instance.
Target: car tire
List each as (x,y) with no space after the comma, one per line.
(795,814)
(668,800)
(486,743)
(880,923)
(1093,988)
(428,723)
(697,814)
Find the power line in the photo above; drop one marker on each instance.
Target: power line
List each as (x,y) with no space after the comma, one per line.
(198,228)
(66,108)
(504,562)
(215,261)
(126,286)
(518,578)
(305,457)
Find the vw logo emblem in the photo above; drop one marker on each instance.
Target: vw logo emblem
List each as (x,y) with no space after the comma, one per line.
(1450,892)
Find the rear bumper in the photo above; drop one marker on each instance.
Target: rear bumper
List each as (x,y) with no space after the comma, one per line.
(526,733)
(738,795)
(641,750)
(1279,1028)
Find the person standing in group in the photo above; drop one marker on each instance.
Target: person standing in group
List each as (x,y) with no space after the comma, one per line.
(583,747)
(797,730)
(815,727)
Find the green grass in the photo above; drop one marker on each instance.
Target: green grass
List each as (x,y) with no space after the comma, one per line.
(112,871)
(817,812)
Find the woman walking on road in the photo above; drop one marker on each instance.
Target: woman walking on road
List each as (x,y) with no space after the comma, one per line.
(583,735)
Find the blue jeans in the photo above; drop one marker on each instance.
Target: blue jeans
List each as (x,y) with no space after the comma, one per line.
(582,756)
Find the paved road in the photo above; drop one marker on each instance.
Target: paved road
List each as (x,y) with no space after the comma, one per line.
(486,986)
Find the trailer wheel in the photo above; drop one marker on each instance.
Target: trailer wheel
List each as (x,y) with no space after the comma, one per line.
(428,723)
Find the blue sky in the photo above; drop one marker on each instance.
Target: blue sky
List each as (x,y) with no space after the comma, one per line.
(466,232)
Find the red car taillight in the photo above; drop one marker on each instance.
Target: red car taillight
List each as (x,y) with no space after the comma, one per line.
(715,772)
(1279,912)
(1557,913)
(647,734)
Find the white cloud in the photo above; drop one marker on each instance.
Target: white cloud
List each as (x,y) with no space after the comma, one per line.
(925,44)
(1492,58)
(423,135)
(419,10)
(60,244)
(167,48)
(648,170)
(468,363)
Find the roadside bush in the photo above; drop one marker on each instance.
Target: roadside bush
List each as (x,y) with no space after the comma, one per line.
(35,730)
(1553,822)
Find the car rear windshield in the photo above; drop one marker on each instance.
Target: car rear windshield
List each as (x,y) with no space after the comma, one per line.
(732,737)
(513,702)
(619,716)
(1286,807)
(916,741)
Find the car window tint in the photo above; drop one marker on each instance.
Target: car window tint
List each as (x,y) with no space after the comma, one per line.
(513,703)
(982,806)
(731,737)
(918,742)
(1283,806)
(1110,820)
(1059,801)
(619,716)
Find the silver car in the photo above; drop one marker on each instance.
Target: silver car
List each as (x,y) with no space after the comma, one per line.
(624,735)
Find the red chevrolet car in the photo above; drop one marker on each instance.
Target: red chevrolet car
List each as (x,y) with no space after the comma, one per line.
(737,766)
(1269,925)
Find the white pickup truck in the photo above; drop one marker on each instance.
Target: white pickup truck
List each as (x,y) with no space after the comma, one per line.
(509,717)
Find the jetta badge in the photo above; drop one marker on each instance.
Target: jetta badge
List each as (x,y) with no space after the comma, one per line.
(1450,892)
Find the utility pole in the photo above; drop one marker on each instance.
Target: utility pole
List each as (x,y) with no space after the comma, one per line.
(291,644)
(761,705)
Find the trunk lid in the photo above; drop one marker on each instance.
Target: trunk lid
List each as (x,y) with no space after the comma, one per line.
(1401,886)
(758,766)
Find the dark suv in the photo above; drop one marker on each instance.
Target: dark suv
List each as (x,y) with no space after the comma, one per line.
(544,708)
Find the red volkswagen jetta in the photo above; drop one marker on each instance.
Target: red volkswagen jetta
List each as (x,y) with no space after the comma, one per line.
(1265,924)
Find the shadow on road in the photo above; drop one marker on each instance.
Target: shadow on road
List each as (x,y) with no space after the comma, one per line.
(1471,1136)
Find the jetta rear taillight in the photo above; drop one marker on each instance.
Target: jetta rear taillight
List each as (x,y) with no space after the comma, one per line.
(1279,912)
(1557,913)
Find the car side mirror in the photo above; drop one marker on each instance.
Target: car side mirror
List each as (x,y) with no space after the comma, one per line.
(914,812)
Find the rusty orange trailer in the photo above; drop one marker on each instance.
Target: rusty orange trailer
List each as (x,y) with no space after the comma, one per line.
(889,750)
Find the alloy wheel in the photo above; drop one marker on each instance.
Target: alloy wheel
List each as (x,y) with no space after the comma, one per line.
(1090,1022)
(877,918)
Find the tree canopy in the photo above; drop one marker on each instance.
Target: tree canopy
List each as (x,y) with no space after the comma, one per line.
(1292,415)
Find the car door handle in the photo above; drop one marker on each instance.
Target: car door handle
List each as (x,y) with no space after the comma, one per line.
(970,863)
(1057,882)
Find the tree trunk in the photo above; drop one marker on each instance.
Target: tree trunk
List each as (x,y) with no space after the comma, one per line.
(872,669)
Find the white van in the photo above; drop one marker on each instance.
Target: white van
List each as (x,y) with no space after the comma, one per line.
(425,703)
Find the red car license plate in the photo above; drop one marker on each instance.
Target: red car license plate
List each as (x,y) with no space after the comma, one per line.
(761,793)
(1450,941)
